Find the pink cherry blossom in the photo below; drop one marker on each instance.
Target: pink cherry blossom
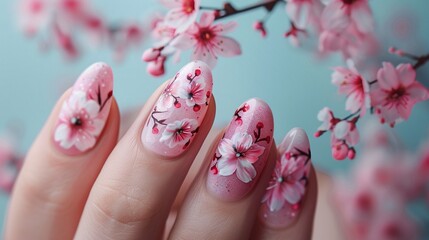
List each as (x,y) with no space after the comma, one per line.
(396,92)
(193,93)
(304,12)
(33,15)
(286,184)
(207,40)
(179,132)
(79,125)
(339,14)
(182,13)
(354,86)
(326,116)
(238,155)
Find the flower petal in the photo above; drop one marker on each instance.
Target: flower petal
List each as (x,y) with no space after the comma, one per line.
(407,75)
(341,129)
(245,171)
(227,47)
(226,167)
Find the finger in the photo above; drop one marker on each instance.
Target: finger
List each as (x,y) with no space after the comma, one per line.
(287,210)
(224,201)
(135,190)
(193,172)
(65,160)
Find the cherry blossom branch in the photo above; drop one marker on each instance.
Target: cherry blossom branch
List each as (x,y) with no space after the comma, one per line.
(228,10)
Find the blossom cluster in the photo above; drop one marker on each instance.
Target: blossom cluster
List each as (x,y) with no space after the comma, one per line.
(391,97)
(374,199)
(70,24)
(338,25)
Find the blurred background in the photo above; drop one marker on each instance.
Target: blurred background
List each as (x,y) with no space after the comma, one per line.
(294,82)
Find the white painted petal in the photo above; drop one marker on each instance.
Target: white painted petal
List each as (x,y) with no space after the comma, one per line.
(62,132)
(245,171)
(92,108)
(226,167)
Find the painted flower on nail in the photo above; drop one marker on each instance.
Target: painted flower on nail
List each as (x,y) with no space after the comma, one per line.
(287,184)
(179,132)
(238,155)
(194,93)
(79,125)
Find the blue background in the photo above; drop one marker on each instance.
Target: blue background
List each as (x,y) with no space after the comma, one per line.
(291,80)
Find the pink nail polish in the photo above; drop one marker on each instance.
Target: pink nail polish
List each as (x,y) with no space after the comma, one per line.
(84,114)
(179,111)
(282,201)
(242,152)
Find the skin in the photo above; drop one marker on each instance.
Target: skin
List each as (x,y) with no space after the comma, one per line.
(120,190)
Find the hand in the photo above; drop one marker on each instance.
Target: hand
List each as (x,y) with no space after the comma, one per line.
(79,181)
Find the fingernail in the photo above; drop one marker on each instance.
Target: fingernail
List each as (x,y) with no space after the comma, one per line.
(84,114)
(282,202)
(179,111)
(242,152)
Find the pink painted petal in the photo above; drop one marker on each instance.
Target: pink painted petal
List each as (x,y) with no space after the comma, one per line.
(387,77)
(362,17)
(226,167)
(252,155)
(245,171)
(207,18)
(407,75)
(227,47)
(334,17)
(85,142)
(292,192)
(242,141)
(226,149)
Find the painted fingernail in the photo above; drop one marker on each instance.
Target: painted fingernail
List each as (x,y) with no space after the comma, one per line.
(282,202)
(84,114)
(242,152)
(179,111)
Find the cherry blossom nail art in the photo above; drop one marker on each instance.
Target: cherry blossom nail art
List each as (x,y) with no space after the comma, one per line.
(242,152)
(84,114)
(282,201)
(179,111)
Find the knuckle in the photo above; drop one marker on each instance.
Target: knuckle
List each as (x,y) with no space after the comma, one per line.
(123,204)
